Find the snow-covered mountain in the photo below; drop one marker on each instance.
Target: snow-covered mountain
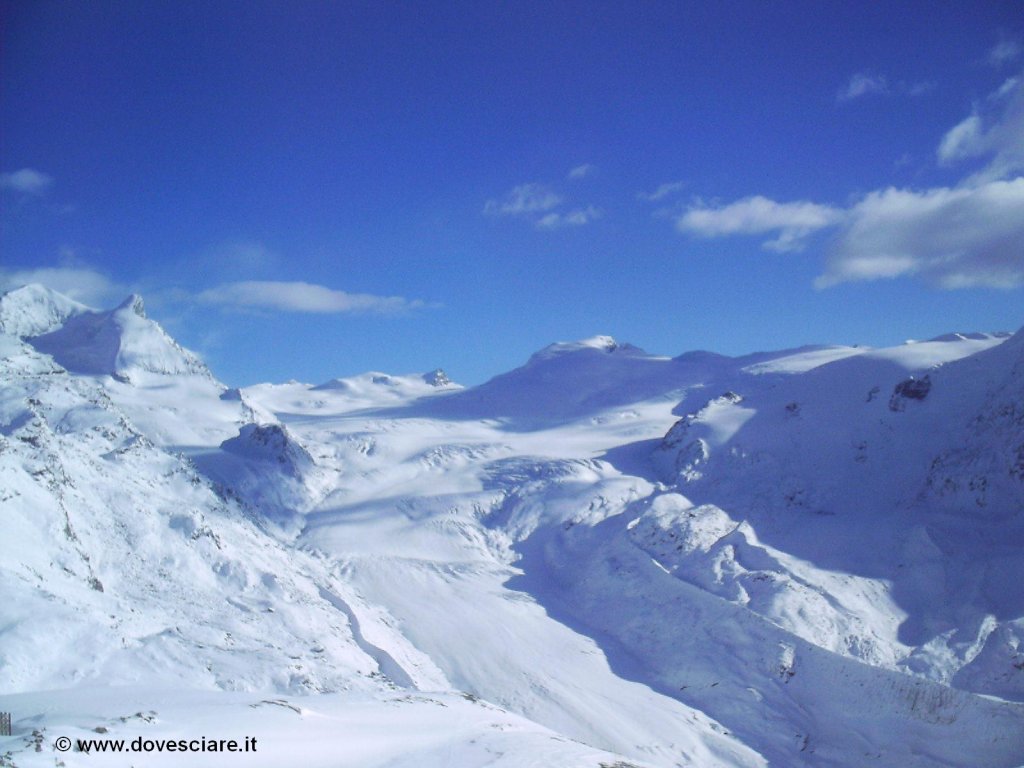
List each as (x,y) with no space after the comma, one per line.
(120,342)
(602,558)
(33,310)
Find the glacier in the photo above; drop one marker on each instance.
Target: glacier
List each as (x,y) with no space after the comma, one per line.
(603,558)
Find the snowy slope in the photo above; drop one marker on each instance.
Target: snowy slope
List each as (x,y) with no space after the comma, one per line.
(33,310)
(120,342)
(166,390)
(122,566)
(853,453)
(342,730)
(128,561)
(602,558)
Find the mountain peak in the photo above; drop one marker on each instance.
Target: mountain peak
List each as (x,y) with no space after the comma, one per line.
(34,309)
(118,342)
(606,343)
(133,303)
(600,343)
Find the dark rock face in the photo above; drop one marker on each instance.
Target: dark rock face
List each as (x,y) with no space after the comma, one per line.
(909,389)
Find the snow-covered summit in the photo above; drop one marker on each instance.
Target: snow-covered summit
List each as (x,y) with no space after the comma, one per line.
(564,380)
(375,385)
(971,335)
(118,342)
(34,309)
(599,343)
(135,304)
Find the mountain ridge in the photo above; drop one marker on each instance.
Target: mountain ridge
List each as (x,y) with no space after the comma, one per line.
(788,558)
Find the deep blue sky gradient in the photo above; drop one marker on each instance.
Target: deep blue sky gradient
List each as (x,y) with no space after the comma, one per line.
(355,146)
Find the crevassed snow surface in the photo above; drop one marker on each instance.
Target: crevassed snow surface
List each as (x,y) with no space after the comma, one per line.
(602,558)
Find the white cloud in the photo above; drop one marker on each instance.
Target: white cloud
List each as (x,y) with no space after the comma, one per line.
(80,283)
(969,234)
(303,297)
(574,218)
(543,207)
(1005,89)
(28,181)
(1005,51)
(582,171)
(954,237)
(757,215)
(523,200)
(962,140)
(863,84)
(663,191)
(866,84)
(995,130)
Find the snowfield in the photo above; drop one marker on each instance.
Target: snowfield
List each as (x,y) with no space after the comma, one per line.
(603,558)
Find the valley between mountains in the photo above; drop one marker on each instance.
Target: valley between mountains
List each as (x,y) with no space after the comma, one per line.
(601,559)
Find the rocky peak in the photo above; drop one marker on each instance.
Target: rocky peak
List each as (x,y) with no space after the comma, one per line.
(437,378)
(134,304)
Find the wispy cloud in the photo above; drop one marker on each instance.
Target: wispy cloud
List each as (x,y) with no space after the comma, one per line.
(1005,51)
(793,222)
(661,192)
(582,171)
(994,131)
(863,84)
(965,235)
(92,287)
(542,206)
(574,218)
(961,141)
(27,181)
(954,237)
(303,297)
(81,283)
(522,200)
(961,236)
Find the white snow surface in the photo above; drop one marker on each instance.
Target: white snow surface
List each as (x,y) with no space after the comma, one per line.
(120,342)
(33,310)
(810,557)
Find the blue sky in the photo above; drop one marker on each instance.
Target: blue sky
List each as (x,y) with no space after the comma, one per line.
(309,189)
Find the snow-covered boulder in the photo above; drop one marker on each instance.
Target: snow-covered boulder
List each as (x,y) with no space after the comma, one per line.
(271,443)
